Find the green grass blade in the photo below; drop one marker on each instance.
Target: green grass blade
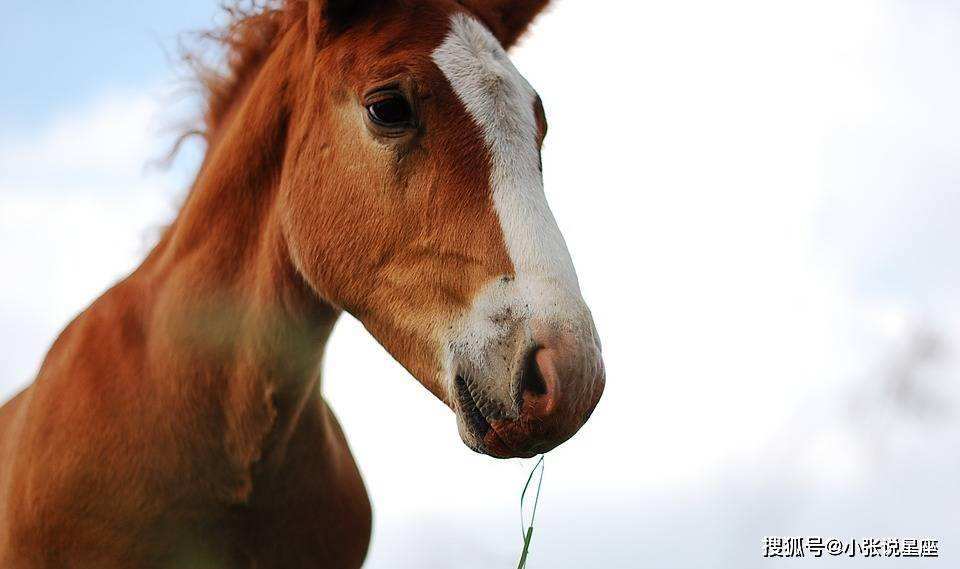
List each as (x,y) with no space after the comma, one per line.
(528,534)
(526,548)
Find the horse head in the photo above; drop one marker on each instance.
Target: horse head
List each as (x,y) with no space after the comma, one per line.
(413,198)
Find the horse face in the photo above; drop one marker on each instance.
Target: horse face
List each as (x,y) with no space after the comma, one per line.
(415,201)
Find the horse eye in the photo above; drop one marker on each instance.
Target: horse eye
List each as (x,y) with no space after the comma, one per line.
(393,111)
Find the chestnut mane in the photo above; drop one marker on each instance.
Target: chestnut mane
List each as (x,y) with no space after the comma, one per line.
(245,41)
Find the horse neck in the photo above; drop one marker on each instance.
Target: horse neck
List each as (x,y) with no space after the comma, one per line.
(230,306)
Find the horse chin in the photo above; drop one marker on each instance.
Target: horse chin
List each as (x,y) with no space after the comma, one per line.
(478,432)
(492,444)
(495,446)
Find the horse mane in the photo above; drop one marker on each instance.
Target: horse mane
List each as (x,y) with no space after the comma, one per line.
(251,31)
(240,47)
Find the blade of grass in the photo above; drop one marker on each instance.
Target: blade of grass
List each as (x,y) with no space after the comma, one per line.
(528,533)
(526,548)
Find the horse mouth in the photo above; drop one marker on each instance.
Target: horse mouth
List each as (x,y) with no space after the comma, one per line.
(477,413)
(476,422)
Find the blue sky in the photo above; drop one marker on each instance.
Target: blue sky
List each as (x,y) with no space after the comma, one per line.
(63,52)
(763,234)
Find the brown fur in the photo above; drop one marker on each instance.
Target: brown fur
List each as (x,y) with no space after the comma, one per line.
(507,19)
(178,422)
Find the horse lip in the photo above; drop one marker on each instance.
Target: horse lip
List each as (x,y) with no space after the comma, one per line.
(487,439)
(476,422)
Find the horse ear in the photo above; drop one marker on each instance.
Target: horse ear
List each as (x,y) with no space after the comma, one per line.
(336,14)
(508,19)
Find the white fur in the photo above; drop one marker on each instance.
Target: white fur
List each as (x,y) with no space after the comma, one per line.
(545,289)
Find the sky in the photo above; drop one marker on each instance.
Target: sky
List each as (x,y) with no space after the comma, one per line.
(760,198)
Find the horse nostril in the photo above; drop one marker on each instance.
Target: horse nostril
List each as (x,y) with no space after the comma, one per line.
(556,386)
(531,379)
(539,386)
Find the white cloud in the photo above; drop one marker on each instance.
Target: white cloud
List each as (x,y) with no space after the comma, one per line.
(81,207)
(101,147)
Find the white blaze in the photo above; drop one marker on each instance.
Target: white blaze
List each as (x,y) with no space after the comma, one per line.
(501,102)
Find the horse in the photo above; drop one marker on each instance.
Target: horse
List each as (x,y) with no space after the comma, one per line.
(374,157)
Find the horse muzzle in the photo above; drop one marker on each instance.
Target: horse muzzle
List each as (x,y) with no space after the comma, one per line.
(558,380)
